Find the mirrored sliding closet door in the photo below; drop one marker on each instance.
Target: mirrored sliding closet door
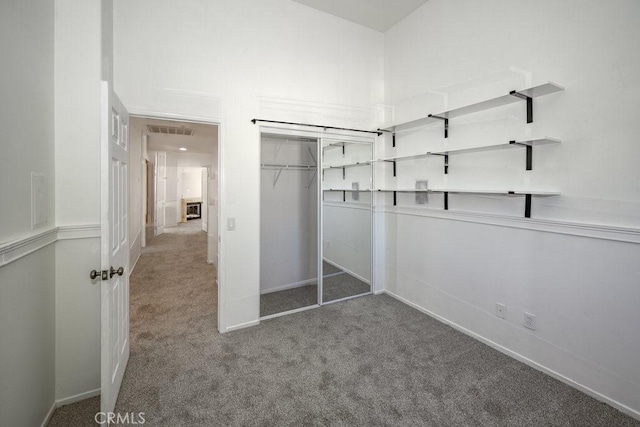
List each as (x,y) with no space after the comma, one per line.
(346,217)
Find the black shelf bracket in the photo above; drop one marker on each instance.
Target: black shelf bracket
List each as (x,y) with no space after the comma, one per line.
(446,124)
(393,139)
(395,200)
(529,104)
(342,150)
(446,200)
(343,174)
(527,205)
(394,166)
(529,151)
(344,196)
(446,161)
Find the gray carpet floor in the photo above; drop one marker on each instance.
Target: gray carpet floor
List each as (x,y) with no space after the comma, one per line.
(366,361)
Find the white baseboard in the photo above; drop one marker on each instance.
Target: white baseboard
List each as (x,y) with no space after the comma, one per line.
(47,417)
(289,286)
(240,326)
(535,365)
(77,398)
(134,264)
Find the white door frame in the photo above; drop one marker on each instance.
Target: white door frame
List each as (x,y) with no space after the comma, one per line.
(148,114)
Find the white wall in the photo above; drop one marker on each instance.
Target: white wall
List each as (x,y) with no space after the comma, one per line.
(79,60)
(27,119)
(241,56)
(288,217)
(583,290)
(27,285)
(77,319)
(190,183)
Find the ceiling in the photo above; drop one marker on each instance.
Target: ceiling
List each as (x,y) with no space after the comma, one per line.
(203,141)
(377,14)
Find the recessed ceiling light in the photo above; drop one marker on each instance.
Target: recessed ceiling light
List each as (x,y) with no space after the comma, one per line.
(182,149)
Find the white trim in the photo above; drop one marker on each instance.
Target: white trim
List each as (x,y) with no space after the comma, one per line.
(26,245)
(71,232)
(605,232)
(289,286)
(21,247)
(295,310)
(133,243)
(588,391)
(135,263)
(77,398)
(47,417)
(240,326)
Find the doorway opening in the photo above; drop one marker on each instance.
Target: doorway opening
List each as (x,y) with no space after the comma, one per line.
(174,186)
(178,180)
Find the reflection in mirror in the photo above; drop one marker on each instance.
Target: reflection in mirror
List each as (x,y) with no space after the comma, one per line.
(346,238)
(288,223)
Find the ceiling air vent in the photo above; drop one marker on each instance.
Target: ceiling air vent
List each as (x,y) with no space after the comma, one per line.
(170,130)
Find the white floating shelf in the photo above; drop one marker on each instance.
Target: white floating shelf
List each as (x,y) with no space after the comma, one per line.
(365,190)
(404,190)
(527,143)
(507,145)
(461,191)
(348,165)
(510,98)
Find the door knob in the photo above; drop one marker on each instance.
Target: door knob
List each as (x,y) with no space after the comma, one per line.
(98,274)
(113,272)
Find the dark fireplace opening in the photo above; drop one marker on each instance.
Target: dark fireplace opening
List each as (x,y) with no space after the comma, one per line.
(193,210)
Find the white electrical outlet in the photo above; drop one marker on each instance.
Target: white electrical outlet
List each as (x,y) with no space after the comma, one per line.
(501,310)
(530,321)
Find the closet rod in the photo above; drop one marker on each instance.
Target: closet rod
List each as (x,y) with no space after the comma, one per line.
(378,132)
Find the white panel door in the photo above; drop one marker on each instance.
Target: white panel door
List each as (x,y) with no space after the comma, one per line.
(114,295)
(161,191)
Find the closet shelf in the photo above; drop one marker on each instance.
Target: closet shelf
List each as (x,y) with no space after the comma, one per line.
(528,144)
(361,190)
(514,96)
(344,143)
(349,165)
(272,166)
(511,144)
(528,194)
(541,193)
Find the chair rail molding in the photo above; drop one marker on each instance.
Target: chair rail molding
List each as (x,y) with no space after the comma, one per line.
(595,231)
(30,243)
